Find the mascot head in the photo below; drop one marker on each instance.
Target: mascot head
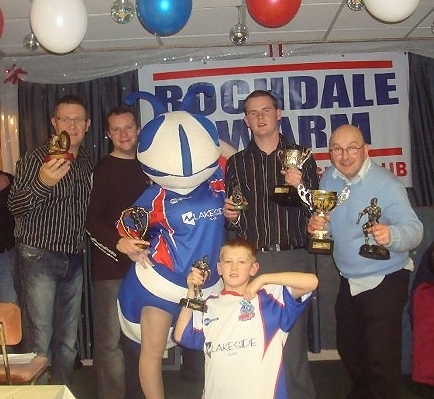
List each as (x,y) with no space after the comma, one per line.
(178,150)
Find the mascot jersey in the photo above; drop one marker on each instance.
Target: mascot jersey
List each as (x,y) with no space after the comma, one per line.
(243,342)
(182,229)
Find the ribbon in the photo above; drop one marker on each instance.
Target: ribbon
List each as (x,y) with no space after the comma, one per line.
(14,74)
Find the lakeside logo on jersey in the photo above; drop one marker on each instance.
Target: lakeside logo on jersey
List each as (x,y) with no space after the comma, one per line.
(247,311)
(191,218)
(230,347)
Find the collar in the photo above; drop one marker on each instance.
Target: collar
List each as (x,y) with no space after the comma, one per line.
(283,143)
(228,292)
(360,175)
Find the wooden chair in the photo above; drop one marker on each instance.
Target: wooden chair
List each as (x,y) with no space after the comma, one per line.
(11,334)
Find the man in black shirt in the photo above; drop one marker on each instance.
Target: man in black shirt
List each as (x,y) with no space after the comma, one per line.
(277,230)
(49,199)
(118,180)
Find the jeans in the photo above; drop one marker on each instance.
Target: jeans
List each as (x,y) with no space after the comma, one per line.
(51,285)
(7,291)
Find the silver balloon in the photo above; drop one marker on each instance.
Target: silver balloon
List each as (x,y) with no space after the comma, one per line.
(30,42)
(122,11)
(239,33)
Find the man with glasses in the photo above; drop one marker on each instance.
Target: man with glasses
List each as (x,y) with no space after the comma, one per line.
(372,292)
(49,199)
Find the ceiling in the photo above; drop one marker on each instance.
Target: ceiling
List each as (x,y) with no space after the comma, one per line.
(317,21)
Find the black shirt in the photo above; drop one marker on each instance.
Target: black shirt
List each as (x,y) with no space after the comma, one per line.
(265,222)
(117,183)
(51,218)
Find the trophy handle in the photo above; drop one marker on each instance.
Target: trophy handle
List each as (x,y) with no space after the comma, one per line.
(305,196)
(306,154)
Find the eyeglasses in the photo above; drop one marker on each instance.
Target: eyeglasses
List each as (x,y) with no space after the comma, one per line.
(351,150)
(75,121)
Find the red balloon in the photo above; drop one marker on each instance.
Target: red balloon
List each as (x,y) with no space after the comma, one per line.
(2,22)
(273,13)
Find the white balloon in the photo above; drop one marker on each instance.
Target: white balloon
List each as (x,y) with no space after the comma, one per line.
(59,25)
(391,10)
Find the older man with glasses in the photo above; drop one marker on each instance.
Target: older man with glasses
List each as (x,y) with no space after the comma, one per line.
(48,200)
(373,289)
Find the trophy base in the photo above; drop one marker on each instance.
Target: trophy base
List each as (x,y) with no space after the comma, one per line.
(193,303)
(286,196)
(240,207)
(64,155)
(376,252)
(323,246)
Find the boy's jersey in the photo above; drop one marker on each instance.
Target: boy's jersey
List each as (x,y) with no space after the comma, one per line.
(243,343)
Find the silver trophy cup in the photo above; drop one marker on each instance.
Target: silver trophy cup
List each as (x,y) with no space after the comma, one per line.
(285,194)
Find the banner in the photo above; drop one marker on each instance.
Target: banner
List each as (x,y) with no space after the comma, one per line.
(317,94)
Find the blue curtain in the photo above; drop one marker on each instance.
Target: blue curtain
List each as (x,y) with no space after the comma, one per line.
(35,106)
(421,117)
(36,103)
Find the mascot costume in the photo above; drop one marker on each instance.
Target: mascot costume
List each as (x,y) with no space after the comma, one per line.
(180,152)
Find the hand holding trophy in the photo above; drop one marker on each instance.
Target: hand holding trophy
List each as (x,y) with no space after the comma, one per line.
(322,202)
(58,147)
(372,251)
(138,217)
(290,158)
(197,303)
(240,203)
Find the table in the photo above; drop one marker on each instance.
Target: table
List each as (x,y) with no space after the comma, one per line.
(35,392)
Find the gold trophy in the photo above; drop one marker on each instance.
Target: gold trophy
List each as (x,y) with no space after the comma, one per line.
(240,203)
(197,303)
(372,251)
(322,202)
(290,158)
(139,218)
(58,147)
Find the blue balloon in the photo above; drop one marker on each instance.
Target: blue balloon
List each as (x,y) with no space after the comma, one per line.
(163,17)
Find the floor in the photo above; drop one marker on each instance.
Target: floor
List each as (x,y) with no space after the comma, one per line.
(330,378)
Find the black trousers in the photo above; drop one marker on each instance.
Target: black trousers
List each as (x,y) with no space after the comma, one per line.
(369,336)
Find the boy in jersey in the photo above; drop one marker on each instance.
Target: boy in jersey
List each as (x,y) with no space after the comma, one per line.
(245,326)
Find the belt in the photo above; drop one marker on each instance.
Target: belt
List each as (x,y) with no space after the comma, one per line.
(279,247)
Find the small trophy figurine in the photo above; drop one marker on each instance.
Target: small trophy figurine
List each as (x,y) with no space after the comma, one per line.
(58,147)
(197,303)
(372,251)
(138,217)
(290,158)
(240,203)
